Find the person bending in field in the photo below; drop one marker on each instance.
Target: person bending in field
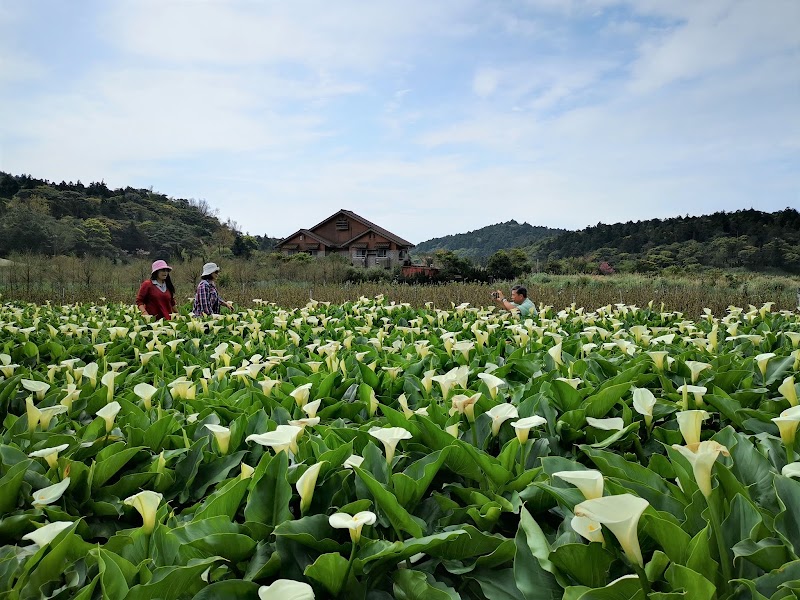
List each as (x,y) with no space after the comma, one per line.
(519,301)
(156,295)
(207,300)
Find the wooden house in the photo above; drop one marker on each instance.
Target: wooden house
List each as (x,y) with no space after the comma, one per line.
(345,233)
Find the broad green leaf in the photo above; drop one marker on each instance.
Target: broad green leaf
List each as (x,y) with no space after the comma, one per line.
(329,570)
(535,576)
(389,505)
(414,585)
(269,498)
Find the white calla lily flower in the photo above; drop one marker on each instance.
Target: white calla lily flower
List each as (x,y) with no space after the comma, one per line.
(51,493)
(610,424)
(524,426)
(787,424)
(283,438)
(690,423)
(47,533)
(222,435)
(39,388)
(620,514)
(147,503)
(589,482)
(354,460)
(108,413)
(791,470)
(311,408)
(145,391)
(702,457)
(788,390)
(306,484)
(390,437)
(46,414)
(49,454)
(286,589)
(354,523)
(300,394)
(643,403)
(492,382)
(465,405)
(762,360)
(588,529)
(500,414)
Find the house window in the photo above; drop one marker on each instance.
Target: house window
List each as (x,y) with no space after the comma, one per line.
(342,225)
(311,252)
(382,253)
(302,237)
(361,252)
(401,254)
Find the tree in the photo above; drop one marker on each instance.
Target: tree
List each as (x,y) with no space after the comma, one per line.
(244,245)
(508,264)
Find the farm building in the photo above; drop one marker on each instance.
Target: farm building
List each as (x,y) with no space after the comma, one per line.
(348,234)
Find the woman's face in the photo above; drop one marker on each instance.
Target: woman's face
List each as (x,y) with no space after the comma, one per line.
(161,275)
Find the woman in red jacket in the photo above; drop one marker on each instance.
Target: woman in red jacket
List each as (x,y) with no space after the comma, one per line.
(156,295)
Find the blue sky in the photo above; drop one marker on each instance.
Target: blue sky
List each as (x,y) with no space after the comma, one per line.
(429,118)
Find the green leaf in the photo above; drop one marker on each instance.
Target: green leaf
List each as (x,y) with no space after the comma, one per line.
(694,583)
(225,501)
(534,574)
(767,554)
(497,585)
(329,571)
(598,405)
(389,505)
(587,563)
(10,483)
(414,585)
(312,531)
(231,588)
(110,461)
(269,498)
(171,583)
(787,522)
(627,587)
(115,573)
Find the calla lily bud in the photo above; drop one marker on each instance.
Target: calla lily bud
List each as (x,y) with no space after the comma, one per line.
(354,523)
(147,503)
(690,423)
(306,484)
(620,514)
(108,381)
(222,435)
(390,436)
(702,457)
(589,482)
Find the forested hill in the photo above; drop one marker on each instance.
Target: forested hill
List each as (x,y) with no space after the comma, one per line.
(749,239)
(480,244)
(72,218)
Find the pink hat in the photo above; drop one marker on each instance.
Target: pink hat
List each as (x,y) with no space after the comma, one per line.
(158,265)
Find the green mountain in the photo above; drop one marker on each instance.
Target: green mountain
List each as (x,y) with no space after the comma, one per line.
(744,239)
(480,244)
(72,218)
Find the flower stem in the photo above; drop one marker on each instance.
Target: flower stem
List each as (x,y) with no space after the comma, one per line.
(353,547)
(716,525)
(642,578)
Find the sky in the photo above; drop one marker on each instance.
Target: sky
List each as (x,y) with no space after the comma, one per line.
(426,117)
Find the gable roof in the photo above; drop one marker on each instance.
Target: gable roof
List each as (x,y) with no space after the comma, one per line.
(350,214)
(309,233)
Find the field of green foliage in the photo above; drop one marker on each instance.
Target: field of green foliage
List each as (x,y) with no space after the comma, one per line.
(371,450)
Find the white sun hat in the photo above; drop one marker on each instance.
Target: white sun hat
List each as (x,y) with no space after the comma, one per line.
(209,268)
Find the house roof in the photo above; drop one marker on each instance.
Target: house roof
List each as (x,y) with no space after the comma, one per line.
(319,238)
(350,214)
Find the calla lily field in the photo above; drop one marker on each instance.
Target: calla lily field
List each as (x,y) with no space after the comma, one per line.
(370,450)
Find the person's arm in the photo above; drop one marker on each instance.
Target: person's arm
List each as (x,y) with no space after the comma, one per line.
(504,302)
(141,297)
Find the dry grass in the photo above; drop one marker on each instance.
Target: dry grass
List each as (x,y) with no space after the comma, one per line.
(65,280)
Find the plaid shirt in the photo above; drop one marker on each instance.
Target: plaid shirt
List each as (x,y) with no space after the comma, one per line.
(206,300)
